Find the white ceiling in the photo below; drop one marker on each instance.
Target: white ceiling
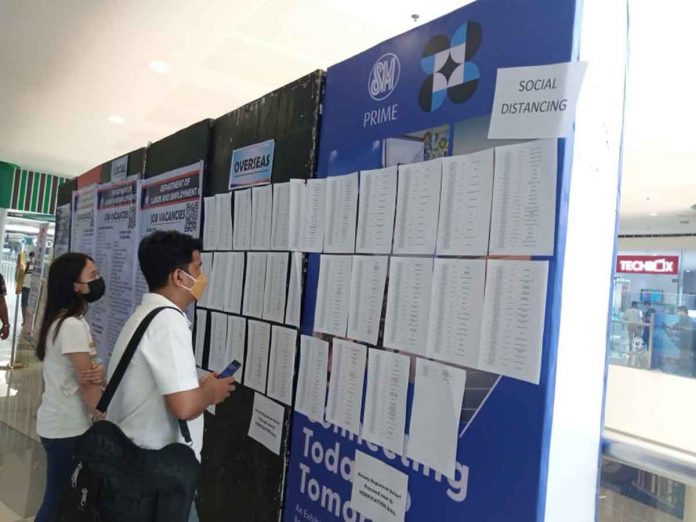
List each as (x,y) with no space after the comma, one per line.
(659,165)
(66,66)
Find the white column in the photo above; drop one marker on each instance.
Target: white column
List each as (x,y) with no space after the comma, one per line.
(576,422)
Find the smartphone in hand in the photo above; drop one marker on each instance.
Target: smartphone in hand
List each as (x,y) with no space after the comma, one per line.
(230,370)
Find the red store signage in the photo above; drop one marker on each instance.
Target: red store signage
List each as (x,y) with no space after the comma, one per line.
(664,265)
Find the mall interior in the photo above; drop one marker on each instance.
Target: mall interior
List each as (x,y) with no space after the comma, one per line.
(452,245)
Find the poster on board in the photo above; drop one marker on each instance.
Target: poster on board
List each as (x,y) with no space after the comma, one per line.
(116,244)
(40,272)
(170,201)
(82,224)
(61,244)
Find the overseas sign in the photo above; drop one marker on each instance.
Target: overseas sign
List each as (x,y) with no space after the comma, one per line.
(252,165)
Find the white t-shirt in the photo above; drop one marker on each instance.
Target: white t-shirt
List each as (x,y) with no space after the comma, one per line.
(634,315)
(162,364)
(62,413)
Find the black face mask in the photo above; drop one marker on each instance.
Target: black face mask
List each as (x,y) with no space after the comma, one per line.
(96,290)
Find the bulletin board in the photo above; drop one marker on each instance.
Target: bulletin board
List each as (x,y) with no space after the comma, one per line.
(240,477)
(504,434)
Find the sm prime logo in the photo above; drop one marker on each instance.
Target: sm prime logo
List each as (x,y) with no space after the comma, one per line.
(383,79)
(384,76)
(451,73)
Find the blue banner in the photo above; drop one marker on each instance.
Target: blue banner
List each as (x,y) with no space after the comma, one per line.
(422,95)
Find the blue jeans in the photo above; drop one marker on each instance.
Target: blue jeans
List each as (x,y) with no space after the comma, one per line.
(59,460)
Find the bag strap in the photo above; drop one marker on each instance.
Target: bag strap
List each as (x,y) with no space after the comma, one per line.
(116,378)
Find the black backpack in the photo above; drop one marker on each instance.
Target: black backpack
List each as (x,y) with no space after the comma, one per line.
(116,481)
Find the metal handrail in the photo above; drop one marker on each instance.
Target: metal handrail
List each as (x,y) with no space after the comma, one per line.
(650,456)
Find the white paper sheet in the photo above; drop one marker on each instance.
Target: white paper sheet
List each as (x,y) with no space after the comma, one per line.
(369,275)
(379,491)
(384,422)
(233,281)
(261,216)
(333,295)
(437,407)
(215,290)
(266,424)
(313,215)
(207,259)
(465,205)
(455,310)
(537,101)
(513,318)
(296,214)
(310,397)
(281,370)
(242,220)
(294,304)
(276,286)
(280,231)
(259,340)
(524,199)
(224,220)
(209,237)
(236,341)
(346,385)
(201,323)
(341,213)
(218,342)
(418,200)
(376,215)
(408,304)
(254,284)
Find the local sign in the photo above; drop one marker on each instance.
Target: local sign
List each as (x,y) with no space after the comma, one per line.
(664,265)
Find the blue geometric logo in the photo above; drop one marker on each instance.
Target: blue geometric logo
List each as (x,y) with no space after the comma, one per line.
(450,72)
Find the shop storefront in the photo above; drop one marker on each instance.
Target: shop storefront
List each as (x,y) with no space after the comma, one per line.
(653,310)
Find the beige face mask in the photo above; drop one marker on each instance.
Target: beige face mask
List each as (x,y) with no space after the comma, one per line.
(199,285)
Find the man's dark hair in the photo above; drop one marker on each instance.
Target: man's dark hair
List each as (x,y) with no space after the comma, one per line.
(683,309)
(634,304)
(162,252)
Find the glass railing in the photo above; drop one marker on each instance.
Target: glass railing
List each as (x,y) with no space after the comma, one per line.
(629,494)
(658,336)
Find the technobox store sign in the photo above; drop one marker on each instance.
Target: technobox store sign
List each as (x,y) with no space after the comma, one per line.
(666,265)
(252,165)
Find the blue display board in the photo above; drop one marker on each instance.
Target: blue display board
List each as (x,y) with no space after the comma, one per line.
(384,107)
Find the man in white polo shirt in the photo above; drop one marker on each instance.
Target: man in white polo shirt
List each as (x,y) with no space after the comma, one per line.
(161,384)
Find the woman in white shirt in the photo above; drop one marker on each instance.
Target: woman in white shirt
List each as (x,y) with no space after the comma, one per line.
(71,375)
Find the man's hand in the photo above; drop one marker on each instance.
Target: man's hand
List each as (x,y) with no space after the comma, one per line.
(217,389)
(4,332)
(95,375)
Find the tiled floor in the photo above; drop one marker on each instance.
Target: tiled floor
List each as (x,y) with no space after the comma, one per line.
(22,459)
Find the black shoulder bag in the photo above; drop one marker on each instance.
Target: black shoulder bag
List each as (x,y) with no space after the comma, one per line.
(116,481)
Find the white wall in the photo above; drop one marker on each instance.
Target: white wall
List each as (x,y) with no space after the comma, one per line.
(653,406)
(657,243)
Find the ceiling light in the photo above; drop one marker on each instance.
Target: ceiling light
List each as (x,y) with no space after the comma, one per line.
(116,120)
(653,214)
(160,66)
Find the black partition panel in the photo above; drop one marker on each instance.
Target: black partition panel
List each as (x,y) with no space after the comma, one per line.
(65,192)
(180,149)
(289,115)
(241,479)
